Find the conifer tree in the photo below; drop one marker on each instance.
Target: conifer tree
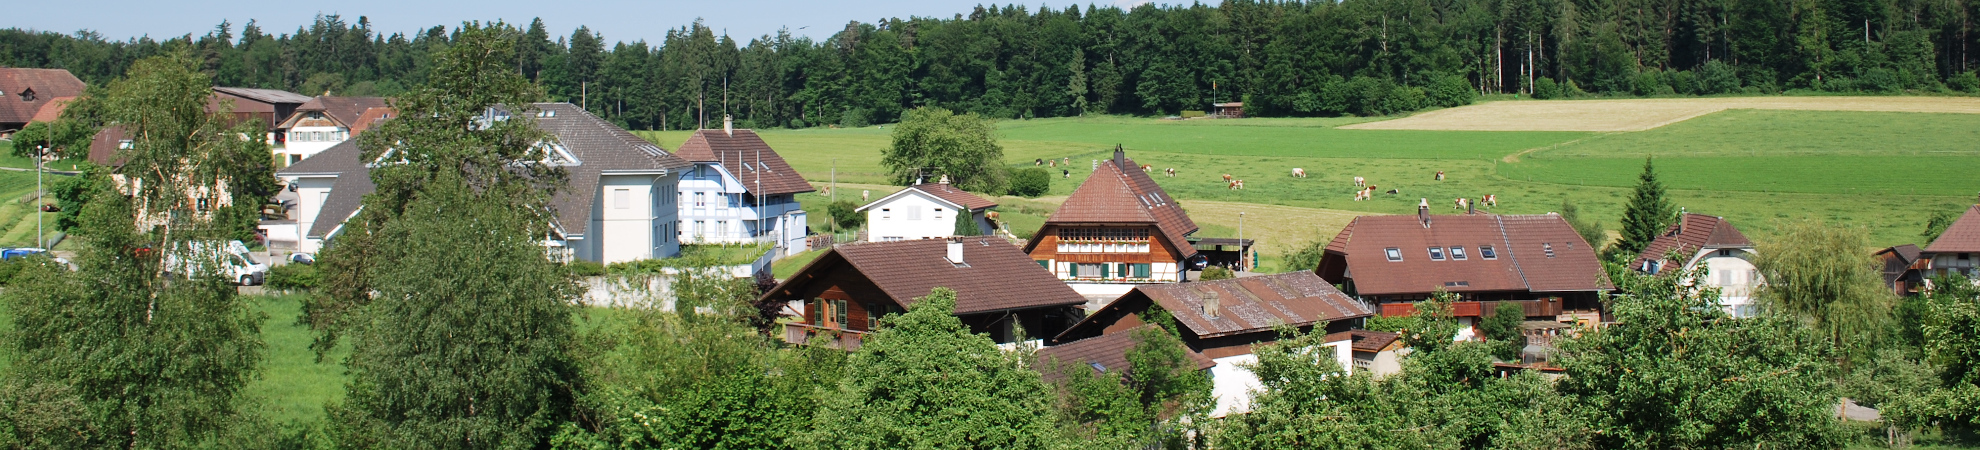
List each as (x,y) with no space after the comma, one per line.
(1647,215)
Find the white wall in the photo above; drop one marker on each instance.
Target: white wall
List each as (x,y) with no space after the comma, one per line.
(713,209)
(912,215)
(630,218)
(308,141)
(1233,385)
(310,193)
(1735,276)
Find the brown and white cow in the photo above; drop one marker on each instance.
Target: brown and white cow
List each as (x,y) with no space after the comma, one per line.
(1298,172)
(1440,175)
(1171,172)
(1461,203)
(1490,200)
(1358,182)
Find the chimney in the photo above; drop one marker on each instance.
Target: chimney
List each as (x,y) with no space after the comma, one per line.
(1213,306)
(945,179)
(1423,212)
(956,251)
(1681,214)
(728,125)
(1120,158)
(1470,207)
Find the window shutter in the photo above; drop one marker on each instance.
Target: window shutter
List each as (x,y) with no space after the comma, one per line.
(1103,270)
(1046,264)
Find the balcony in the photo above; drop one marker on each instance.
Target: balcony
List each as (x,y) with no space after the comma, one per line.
(839,338)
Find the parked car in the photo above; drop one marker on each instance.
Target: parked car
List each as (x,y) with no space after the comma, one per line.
(302,258)
(230,259)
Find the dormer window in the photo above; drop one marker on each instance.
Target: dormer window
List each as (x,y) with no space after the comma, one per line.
(315,114)
(1487,252)
(546,113)
(1394,254)
(1436,253)
(1457,253)
(27,95)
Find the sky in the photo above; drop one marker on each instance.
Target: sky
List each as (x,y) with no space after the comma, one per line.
(617,20)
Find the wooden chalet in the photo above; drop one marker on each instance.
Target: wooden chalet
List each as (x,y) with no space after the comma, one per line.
(1957,250)
(1903,268)
(996,287)
(1117,230)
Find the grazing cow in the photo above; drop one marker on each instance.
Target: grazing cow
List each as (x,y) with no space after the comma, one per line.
(1052,163)
(1490,200)
(1067,161)
(1236,184)
(1063,173)
(1371,189)
(1440,175)
(865,195)
(1227,178)
(1038,161)
(1147,168)
(1171,171)
(1462,202)
(1358,182)
(992,215)
(1298,172)
(1395,191)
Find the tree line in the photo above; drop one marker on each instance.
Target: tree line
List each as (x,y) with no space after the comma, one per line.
(1284,58)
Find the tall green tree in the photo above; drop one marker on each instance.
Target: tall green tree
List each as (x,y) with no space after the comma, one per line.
(1821,273)
(1647,214)
(966,224)
(932,142)
(925,381)
(1589,228)
(461,335)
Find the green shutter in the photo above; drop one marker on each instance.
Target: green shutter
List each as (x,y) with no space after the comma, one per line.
(1103,270)
(1047,264)
(1141,270)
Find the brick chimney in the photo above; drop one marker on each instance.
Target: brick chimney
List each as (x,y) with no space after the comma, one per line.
(1213,306)
(1423,211)
(955,251)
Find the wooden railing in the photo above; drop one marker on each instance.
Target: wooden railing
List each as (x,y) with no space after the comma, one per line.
(839,338)
(1532,308)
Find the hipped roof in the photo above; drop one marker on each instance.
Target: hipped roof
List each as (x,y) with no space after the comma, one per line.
(994,276)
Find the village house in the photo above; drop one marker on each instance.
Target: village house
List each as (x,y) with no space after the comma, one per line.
(739,191)
(1536,261)
(618,205)
(1377,353)
(1957,249)
(1117,230)
(1104,354)
(25,92)
(1224,319)
(1903,268)
(1711,246)
(925,211)
(998,289)
(270,106)
(323,122)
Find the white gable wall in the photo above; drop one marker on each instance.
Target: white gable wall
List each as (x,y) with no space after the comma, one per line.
(911,215)
(310,194)
(628,217)
(715,208)
(304,142)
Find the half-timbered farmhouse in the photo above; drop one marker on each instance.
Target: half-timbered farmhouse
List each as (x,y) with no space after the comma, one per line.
(1116,231)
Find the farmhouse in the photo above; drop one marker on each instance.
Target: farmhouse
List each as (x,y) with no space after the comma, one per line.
(1117,230)
(925,211)
(324,122)
(1712,246)
(1537,261)
(996,287)
(1223,319)
(618,205)
(1956,250)
(1904,268)
(739,190)
(270,106)
(23,93)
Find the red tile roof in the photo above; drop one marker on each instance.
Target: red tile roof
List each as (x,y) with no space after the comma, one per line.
(1692,233)
(1119,192)
(52,110)
(994,276)
(1962,237)
(1522,244)
(269,96)
(1251,304)
(47,84)
(1109,351)
(766,170)
(344,110)
(955,195)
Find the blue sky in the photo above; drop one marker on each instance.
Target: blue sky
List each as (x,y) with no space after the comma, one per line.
(619,20)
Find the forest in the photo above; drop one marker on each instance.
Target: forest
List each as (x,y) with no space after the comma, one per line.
(1320,58)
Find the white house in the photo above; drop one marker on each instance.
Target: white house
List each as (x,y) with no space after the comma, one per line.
(618,205)
(739,191)
(924,211)
(323,122)
(1712,246)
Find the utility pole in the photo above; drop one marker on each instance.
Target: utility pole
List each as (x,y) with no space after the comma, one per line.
(1240,242)
(40,165)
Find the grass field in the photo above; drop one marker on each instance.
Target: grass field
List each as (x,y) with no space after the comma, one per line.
(293,385)
(1645,114)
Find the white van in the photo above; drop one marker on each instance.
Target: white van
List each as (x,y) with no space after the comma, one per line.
(230,259)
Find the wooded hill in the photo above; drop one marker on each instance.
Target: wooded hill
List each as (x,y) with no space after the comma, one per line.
(1282,58)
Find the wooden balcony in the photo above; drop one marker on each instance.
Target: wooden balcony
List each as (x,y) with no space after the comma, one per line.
(839,338)
(1532,308)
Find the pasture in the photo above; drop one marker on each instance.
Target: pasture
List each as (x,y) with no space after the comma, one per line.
(1887,171)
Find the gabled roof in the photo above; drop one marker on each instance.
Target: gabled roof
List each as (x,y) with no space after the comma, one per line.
(1962,237)
(1250,304)
(270,96)
(748,158)
(599,147)
(52,110)
(1119,192)
(1692,233)
(47,84)
(1521,244)
(1108,352)
(956,198)
(345,111)
(994,276)
(1898,259)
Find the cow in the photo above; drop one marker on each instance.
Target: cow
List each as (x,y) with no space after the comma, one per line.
(1227,178)
(1298,172)
(865,195)
(992,215)
(1170,171)
(1067,161)
(1358,182)
(1063,173)
(1038,161)
(1461,203)
(1440,175)
(1490,200)
(1395,191)
(1052,163)
(1237,185)
(1147,168)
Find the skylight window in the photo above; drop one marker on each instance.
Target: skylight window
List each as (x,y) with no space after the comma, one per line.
(1395,254)
(1457,253)
(1548,247)
(1487,252)
(1436,253)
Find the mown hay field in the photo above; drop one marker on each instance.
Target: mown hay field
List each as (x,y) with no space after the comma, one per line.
(1645,114)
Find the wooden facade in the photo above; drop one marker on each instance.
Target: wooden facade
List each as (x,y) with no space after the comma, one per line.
(1123,253)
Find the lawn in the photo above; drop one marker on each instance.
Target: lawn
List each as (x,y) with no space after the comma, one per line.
(293,384)
(17,218)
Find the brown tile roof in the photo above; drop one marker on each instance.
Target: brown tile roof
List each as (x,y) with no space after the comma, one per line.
(733,150)
(1253,304)
(270,96)
(47,84)
(344,110)
(1108,350)
(1119,192)
(52,110)
(1521,244)
(955,195)
(995,276)
(103,147)
(1692,233)
(599,146)
(1365,340)
(1962,237)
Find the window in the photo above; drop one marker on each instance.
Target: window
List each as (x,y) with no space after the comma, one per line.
(839,308)
(700,199)
(1103,240)
(1547,247)
(1395,254)
(27,95)
(1141,270)
(886,213)
(1436,253)
(891,238)
(1047,264)
(1486,252)
(722,228)
(1087,270)
(938,213)
(1457,253)
(622,198)
(124,144)
(913,213)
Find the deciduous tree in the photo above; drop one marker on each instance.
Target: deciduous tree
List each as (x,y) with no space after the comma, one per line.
(932,142)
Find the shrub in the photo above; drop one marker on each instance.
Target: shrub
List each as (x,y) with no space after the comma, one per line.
(1964,82)
(1682,81)
(1451,91)
(1648,82)
(294,277)
(584,268)
(1880,80)
(845,213)
(1216,273)
(1717,78)
(1031,182)
(855,118)
(1546,88)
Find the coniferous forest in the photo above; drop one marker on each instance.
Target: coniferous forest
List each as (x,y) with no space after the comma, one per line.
(1360,57)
